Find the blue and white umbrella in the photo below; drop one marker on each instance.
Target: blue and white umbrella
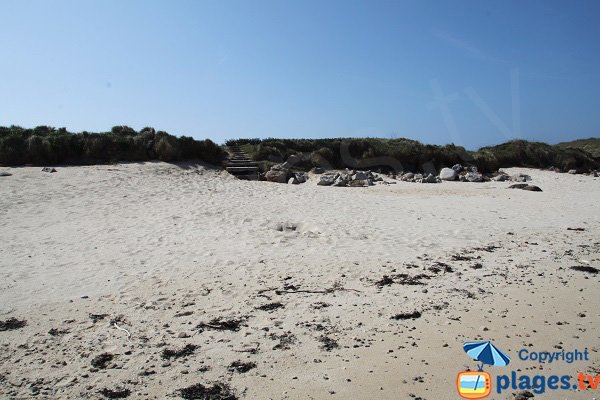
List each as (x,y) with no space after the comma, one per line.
(486,353)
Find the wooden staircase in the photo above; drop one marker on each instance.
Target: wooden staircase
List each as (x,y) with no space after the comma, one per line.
(240,165)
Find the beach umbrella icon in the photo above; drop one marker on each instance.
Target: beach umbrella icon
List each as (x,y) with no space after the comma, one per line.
(486,353)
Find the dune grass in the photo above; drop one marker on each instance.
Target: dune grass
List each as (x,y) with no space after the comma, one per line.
(412,155)
(48,146)
(591,145)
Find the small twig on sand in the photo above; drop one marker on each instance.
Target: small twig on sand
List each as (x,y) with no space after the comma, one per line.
(124,330)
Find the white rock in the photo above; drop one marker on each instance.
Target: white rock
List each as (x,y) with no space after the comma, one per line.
(447,174)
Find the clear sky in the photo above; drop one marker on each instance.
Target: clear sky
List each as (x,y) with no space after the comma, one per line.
(468,72)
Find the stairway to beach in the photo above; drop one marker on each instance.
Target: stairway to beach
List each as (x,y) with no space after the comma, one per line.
(240,165)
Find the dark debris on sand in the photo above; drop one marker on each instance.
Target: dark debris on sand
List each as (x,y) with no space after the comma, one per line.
(241,366)
(285,340)
(115,393)
(461,257)
(585,268)
(270,306)
(439,267)
(101,361)
(402,279)
(97,317)
(489,249)
(218,391)
(328,343)
(221,324)
(57,332)
(524,395)
(404,316)
(11,324)
(187,350)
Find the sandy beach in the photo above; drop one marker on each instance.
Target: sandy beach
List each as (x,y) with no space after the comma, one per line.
(149,278)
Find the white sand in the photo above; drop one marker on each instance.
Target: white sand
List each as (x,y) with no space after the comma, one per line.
(148,241)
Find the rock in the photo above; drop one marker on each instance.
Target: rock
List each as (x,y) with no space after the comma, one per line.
(525,186)
(429,179)
(300,177)
(48,169)
(317,170)
(448,174)
(501,178)
(473,177)
(472,168)
(572,171)
(327,180)
(340,182)
(360,176)
(292,181)
(275,175)
(290,162)
(2,173)
(518,186)
(418,177)
(457,167)
(520,178)
(409,176)
(359,183)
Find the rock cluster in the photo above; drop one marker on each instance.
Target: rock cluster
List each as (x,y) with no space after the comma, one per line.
(419,178)
(349,178)
(280,173)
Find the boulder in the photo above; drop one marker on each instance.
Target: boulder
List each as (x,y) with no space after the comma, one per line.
(290,162)
(473,177)
(358,183)
(274,175)
(317,170)
(48,169)
(520,178)
(501,178)
(409,176)
(532,188)
(430,178)
(2,173)
(340,182)
(457,167)
(300,177)
(572,171)
(292,181)
(327,180)
(448,174)
(359,176)
(518,186)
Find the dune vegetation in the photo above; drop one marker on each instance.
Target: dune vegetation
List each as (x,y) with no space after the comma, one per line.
(591,145)
(415,156)
(44,145)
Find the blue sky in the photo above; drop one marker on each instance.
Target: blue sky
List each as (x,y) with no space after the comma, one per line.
(469,72)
